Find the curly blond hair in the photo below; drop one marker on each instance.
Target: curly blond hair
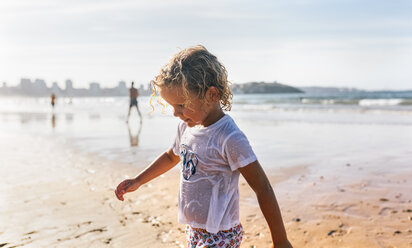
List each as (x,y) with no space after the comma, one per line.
(195,70)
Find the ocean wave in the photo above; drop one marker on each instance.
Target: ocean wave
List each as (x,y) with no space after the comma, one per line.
(364,102)
(330,101)
(406,102)
(380,102)
(332,108)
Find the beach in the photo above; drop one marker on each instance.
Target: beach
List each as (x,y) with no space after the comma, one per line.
(341,177)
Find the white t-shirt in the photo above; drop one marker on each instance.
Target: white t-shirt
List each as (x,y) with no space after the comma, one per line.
(209,192)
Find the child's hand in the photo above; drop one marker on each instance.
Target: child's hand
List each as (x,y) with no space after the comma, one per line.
(128,185)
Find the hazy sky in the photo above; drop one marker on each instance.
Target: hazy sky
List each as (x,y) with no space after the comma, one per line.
(364,44)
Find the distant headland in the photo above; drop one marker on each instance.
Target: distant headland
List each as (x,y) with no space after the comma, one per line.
(263,88)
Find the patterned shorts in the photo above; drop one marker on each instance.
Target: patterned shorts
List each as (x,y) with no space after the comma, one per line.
(200,238)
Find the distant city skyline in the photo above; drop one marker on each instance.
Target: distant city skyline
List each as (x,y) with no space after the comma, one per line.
(339,43)
(39,88)
(63,83)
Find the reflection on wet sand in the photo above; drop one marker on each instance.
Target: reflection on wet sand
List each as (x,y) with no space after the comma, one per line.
(29,117)
(94,116)
(134,136)
(53,120)
(69,117)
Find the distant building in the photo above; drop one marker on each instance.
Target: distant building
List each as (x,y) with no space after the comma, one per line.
(94,89)
(39,87)
(4,90)
(69,84)
(55,88)
(149,90)
(122,88)
(69,87)
(25,85)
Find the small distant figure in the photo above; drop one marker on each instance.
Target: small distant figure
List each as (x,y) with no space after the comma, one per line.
(53,99)
(133,94)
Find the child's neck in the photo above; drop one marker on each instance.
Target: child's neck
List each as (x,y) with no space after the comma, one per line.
(213,117)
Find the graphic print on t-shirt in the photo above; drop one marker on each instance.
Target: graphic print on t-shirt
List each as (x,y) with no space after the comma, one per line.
(189,162)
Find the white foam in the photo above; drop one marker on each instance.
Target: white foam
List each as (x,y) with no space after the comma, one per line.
(380,102)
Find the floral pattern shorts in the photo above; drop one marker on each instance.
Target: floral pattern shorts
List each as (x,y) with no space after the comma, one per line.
(200,238)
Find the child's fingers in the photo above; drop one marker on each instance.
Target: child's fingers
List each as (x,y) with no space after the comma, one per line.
(123,188)
(119,194)
(120,197)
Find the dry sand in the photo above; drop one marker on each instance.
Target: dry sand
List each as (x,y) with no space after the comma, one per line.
(52,195)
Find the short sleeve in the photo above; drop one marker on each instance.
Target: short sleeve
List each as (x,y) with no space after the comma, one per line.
(238,151)
(176,143)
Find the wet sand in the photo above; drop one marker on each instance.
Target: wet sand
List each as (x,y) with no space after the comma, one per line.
(53,195)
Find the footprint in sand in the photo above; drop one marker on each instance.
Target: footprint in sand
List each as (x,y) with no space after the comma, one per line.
(102,229)
(32,232)
(250,218)
(385,211)
(84,223)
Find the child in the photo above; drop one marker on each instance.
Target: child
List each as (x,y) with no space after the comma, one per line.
(213,151)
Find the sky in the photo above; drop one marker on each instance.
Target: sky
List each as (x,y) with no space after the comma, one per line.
(365,44)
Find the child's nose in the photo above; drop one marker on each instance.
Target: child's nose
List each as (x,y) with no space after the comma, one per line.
(176,113)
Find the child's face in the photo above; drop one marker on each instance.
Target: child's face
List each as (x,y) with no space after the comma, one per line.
(197,113)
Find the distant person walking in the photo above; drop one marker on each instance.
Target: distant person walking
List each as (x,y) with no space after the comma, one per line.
(133,93)
(53,99)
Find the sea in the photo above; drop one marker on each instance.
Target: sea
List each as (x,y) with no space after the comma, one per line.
(302,129)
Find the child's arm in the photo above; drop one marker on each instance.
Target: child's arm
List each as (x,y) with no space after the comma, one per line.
(162,164)
(257,180)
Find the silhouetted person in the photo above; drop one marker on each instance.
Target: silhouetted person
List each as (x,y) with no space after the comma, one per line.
(133,93)
(53,99)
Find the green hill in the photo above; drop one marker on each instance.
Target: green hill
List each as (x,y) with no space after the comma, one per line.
(263,88)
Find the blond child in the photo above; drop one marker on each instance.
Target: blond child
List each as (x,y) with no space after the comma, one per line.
(213,151)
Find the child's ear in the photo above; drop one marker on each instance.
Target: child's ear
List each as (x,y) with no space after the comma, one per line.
(212,94)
